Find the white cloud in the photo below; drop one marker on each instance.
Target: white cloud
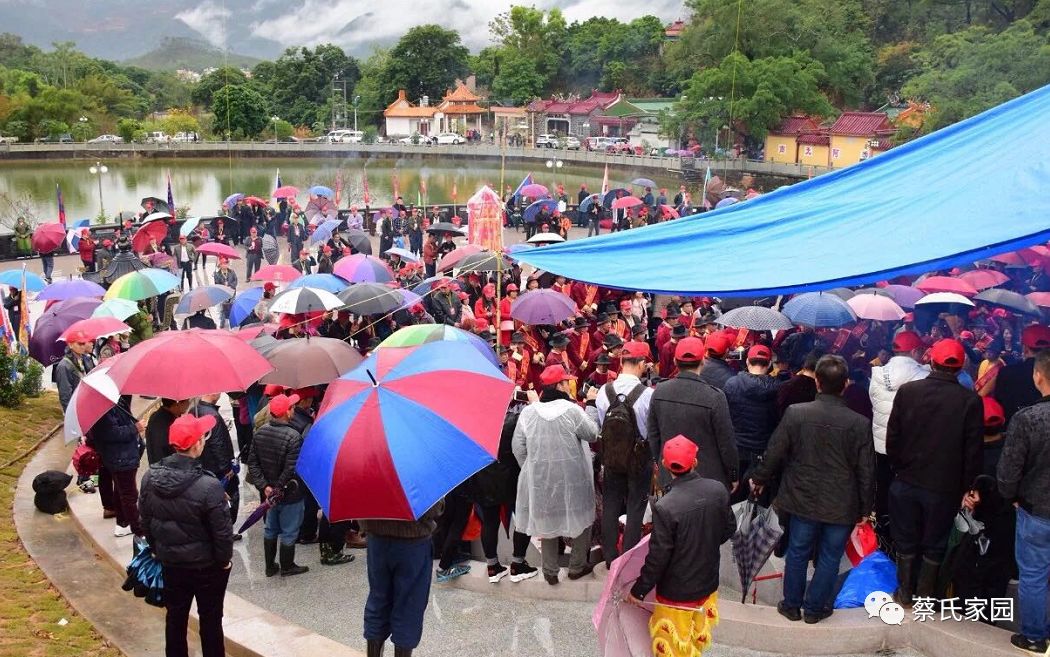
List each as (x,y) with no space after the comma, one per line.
(208,19)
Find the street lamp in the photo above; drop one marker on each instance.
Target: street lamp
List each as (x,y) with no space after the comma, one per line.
(97,170)
(275,119)
(357,99)
(83,127)
(551,164)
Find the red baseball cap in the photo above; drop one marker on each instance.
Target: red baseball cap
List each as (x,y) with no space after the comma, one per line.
(679,454)
(188,429)
(966,335)
(77,336)
(718,344)
(280,404)
(948,353)
(994,416)
(759,351)
(1036,336)
(636,349)
(689,350)
(481,324)
(908,317)
(553,374)
(512,288)
(907,341)
(269,287)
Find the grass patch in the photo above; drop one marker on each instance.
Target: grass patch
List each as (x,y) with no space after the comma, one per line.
(30,608)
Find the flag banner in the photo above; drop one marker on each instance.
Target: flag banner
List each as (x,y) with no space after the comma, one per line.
(364,183)
(24,333)
(278,180)
(61,205)
(171,199)
(605,181)
(485,219)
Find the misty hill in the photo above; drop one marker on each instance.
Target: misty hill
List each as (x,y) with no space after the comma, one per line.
(190,54)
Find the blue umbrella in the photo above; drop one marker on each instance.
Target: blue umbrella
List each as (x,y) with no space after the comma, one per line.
(327,282)
(243,305)
(232,198)
(726,202)
(321,190)
(202,298)
(13,277)
(644,182)
(610,196)
(518,248)
(531,211)
(585,206)
(324,232)
(189,226)
(426,285)
(77,287)
(817,309)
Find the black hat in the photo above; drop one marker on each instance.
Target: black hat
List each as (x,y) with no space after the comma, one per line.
(517,337)
(559,340)
(602,359)
(638,329)
(612,340)
(603,317)
(678,331)
(501,349)
(581,322)
(672,311)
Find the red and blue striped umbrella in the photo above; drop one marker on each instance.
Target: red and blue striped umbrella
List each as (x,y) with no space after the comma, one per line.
(360,268)
(384,445)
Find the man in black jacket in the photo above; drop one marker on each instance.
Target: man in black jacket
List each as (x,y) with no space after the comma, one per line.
(1013,385)
(716,371)
(690,523)
(271,464)
(934,439)
(157,445)
(825,455)
(218,456)
(752,397)
(187,523)
(687,406)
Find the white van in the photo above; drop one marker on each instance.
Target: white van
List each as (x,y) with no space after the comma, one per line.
(345,137)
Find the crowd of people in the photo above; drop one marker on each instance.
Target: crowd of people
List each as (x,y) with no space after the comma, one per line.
(903,424)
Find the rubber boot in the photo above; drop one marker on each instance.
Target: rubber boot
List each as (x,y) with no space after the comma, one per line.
(270,556)
(375,647)
(288,565)
(402,652)
(905,577)
(927,586)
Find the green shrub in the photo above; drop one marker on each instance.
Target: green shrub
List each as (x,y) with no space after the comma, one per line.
(20,377)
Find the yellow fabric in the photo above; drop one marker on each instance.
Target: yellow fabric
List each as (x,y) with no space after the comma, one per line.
(683,632)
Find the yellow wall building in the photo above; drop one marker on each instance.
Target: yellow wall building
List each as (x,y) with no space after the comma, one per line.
(854,134)
(781,144)
(813,150)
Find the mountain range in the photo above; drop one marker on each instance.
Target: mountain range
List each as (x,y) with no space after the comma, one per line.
(191,54)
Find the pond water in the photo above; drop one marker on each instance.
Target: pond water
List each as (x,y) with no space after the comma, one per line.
(202,184)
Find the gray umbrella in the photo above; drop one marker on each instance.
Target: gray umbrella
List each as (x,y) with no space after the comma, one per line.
(270,250)
(757,534)
(358,240)
(371,298)
(756,318)
(301,362)
(484,261)
(1009,300)
(843,293)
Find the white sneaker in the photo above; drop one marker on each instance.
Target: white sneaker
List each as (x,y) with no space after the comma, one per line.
(119,531)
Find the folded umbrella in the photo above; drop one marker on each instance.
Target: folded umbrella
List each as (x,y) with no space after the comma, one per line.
(142,284)
(327,282)
(324,232)
(417,334)
(626,202)
(451,259)
(243,305)
(876,307)
(220,250)
(48,237)
(404,254)
(43,343)
(94,328)
(358,241)
(202,298)
(270,250)
(287,191)
(14,277)
(371,298)
(91,399)
(361,268)
(304,300)
(817,309)
(313,361)
(277,273)
(755,318)
(77,287)
(1010,300)
(385,446)
(208,362)
(623,627)
(117,308)
(543,307)
(757,533)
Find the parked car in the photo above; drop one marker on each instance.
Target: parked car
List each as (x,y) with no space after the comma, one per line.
(157,137)
(344,137)
(449,138)
(546,141)
(64,138)
(186,137)
(107,139)
(570,143)
(422,140)
(8,139)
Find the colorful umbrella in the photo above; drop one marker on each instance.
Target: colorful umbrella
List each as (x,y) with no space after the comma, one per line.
(91,399)
(286,192)
(1010,300)
(48,237)
(277,273)
(301,362)
(202,298)
(304,300)
(534,209)
(932,284)
(371,298)
(220,250)
(626,202)
(208,362)
(944,297)
(142,284)
(876,307)
(321,190)
(534,190)
(43,343)
(623,627)
(117,308)
(95,328)
(324,232)
(982,279)
(818,309)
(151,231)
(404,254)
(906,296)
(13,278)
(755,318)
(417,334)
(424,287)
(385,446)
(362,268)
(451,259)
(243,305)
(546,238)
(77,287)
(543,307)
(327,282)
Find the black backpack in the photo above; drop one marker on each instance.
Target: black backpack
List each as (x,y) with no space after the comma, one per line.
(623,448)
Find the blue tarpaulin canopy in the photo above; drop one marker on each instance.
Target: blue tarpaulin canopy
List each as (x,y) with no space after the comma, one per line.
(966,192)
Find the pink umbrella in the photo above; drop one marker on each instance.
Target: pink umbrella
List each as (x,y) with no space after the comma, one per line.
(933,284)
(95,327)
(982,279)
(219,249)
(277,273)
(876,307)
(626,202)
(451,259)
(534,191)
(667,212)
(91,399)
(287,191)
(543,307)
(1041,299)
(1010,258)
(623,628)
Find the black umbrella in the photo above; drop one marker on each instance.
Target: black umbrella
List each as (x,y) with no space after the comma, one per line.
(757,534)
(843,293)
(444,227)
(1009,300)
(485,261)
(729,303)
(270,250)
(358,240)
(371,298)
(756,318)
(158,204)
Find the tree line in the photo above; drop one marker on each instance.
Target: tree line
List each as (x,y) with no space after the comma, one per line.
(737,65)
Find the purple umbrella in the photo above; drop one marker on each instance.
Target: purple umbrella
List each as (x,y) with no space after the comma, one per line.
(543,307)
(43,344)
(904,295)
(232,198)
(535,190)
(534,209)
(410,297)
(77,287)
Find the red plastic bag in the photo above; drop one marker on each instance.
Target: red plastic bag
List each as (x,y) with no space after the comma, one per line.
(86,460)
(472,531)
(862,542)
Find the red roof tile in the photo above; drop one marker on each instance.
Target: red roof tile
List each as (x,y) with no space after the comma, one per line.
(795,125)
(861,124)
(815,139)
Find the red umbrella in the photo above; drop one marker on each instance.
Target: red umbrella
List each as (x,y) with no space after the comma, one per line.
(154,230)
(982,279)
(933,284)
(1034,255)
(256,201)
(286,192)
(626,202)
(1009,259)
(1041,299)
(209,362)
(95,328)
(48,237)
(667,212)
(219,249)
(277,273)
(452,258)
